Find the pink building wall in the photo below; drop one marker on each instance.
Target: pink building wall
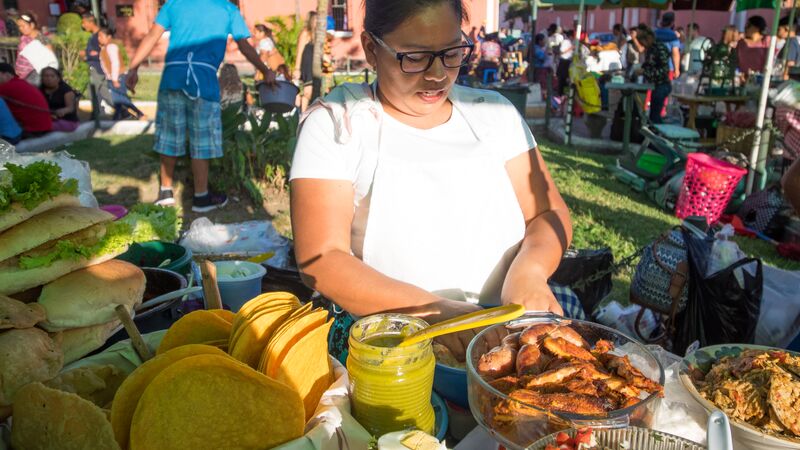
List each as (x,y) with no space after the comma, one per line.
(347,45)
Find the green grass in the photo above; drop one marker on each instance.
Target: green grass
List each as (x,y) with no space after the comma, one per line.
(607,213)
(147,87)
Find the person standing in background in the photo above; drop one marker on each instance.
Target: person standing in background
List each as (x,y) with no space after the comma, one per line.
(655,71)
(565,51)
(667,36)
(34,52)
(752,50)
(189,96)
(696,51)
(114,71)
(305,59)
(97,79)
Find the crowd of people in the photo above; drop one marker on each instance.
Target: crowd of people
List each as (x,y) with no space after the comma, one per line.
(661,55)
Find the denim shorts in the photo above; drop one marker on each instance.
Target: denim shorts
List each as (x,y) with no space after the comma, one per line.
(180,117)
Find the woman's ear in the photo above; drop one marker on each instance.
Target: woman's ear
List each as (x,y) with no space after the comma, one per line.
(369,49)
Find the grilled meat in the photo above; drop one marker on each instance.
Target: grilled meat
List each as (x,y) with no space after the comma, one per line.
(561,348)
(571,403)
(498,362)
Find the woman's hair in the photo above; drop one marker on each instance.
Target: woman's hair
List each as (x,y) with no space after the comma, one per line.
(758,22)
(284,70)
(54,70)
(540,39)
(644,32)
(28,17)
(264,29)
(311,21)
(384,16)
(105,30)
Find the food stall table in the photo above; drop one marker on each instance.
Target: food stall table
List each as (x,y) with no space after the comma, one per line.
(693,101)
(628,90)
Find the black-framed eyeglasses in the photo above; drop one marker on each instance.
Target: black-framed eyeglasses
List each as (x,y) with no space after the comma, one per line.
(420,61)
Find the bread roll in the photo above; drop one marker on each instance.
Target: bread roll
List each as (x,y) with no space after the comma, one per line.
(18,213)
(47,226)
(89,296)
(79,342)
(16,279)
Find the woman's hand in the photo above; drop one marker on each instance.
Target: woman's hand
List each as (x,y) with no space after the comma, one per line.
(116,84)
(533,293)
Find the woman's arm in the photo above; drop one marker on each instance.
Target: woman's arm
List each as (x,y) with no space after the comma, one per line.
(302,40)
(322,214)
(113,56)
(547,235)
(69,105)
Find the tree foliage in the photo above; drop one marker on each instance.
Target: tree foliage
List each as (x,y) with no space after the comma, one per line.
(68,43)
(285,36)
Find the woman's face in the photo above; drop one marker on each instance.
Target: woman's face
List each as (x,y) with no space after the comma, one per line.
(750,31)
(49,79)
(258,34)
(103,39)
(24,27)
(424,94)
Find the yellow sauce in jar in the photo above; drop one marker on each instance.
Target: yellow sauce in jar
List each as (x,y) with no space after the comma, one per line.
(391,386)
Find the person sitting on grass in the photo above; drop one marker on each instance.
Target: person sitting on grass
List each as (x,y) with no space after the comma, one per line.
(10,130)
(113,65)
(27,104)
(61,99)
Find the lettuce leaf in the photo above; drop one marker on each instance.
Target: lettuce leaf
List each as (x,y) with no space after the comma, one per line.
(33,184)
(152,222)
(118,237)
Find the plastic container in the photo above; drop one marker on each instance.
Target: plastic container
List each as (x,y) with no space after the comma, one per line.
(451,384)
(523,424)
(238,282)
(155,253)
(280,99)
(118,211)
(391,386)
(651,163)
(160,317)
(707,187)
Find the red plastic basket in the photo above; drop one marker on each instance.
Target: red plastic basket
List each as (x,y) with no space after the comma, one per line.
(707,187)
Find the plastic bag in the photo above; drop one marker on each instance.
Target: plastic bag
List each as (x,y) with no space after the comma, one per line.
(623,318)
(70,168)
(577,265)
(244,239)
(779,321)
(725,252)
(719,311)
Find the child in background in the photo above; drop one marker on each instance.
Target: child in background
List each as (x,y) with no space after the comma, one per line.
(282,73)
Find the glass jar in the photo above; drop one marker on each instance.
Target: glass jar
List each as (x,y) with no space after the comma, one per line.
(391,386)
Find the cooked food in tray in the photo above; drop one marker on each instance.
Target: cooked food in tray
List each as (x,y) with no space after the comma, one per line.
(553,368)
(761,388)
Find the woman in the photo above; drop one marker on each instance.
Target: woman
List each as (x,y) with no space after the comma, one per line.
(305,58)
(61,99)
(34,52)
(656,71)
(115,69)
(414,191)
(542,65)
(266,48)
(751,51)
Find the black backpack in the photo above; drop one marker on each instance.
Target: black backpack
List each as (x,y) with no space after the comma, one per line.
(618,125)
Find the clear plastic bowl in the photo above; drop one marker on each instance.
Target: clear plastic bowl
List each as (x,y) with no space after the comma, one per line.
(527,423)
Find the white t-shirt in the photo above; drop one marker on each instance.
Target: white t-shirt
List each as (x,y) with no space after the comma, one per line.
(318,155)
(265,45)
(566,49)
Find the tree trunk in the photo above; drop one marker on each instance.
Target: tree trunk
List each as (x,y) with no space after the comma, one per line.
(319,42)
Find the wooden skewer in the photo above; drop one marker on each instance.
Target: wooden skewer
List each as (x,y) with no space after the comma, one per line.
(210,288)
(136,337)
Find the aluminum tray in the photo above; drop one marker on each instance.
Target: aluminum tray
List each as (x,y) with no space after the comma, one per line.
(630,438)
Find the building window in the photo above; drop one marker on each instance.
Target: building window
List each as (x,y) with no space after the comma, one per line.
(339,13)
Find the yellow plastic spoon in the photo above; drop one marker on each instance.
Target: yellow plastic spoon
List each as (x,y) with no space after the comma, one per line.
(469,321)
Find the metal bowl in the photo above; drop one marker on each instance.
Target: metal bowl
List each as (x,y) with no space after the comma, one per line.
(527,423)
(630,437)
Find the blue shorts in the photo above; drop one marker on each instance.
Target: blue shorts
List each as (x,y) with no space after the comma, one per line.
(178,114)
